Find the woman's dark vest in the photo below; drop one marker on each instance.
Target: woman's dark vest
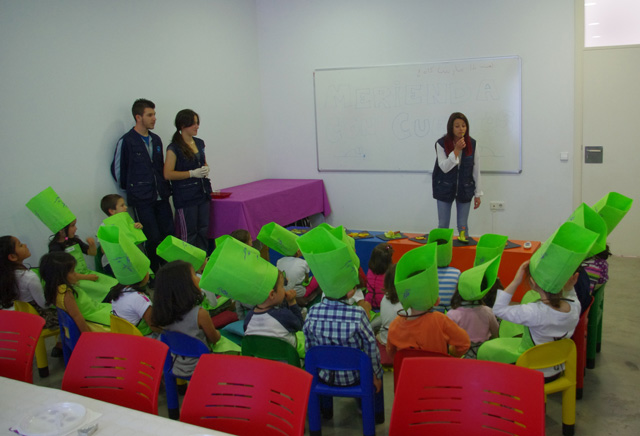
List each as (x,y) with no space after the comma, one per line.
(457,184)
(192,191)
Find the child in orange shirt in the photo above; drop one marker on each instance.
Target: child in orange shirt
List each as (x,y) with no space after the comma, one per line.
(420,327)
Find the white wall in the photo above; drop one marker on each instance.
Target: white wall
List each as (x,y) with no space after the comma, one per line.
(298,37)
(70,72)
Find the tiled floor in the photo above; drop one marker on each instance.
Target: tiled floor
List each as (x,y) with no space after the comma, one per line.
(610,405)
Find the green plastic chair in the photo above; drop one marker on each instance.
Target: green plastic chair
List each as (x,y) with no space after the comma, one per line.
(270,348)
(594,327)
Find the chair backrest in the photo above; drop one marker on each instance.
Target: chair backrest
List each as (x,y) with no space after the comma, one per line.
(121,325)
(69,334)
(337,358)
(120,369)
(182,345)
(410,352)
(23,306)
(19,333)
(270,348)
(247,396)
(552,354)
(462,396)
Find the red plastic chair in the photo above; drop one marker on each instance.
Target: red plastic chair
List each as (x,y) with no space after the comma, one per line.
(580,339)
(121,369)
(245,395)
(467,397)
(410,352)
(19,334)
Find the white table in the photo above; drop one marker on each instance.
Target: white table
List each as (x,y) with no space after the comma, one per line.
(17,399)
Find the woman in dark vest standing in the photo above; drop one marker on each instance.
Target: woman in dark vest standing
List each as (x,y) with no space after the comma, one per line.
(456,174)
(186,167)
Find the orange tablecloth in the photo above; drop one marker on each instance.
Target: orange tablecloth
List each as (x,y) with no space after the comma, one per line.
(463,258)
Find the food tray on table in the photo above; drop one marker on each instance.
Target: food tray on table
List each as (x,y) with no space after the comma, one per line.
(220,194)
(420,239)
(299,231)
(359,235)
(391,236)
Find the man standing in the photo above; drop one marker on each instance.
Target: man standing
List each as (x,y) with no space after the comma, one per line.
(137,167)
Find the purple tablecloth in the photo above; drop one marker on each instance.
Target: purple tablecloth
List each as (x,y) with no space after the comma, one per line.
(255,204)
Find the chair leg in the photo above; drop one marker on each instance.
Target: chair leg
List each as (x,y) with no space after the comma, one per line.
(568,411)
(379,406)
(369,416)
(313,415)
(171,390)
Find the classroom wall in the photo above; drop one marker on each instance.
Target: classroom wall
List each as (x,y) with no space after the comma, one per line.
(71,70)
(298,37)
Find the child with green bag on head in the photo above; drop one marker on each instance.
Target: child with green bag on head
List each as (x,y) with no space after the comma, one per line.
(551,273)
(333,321)
(420,327)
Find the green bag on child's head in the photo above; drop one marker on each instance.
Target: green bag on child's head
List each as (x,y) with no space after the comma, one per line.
(589,219)
(126,225)
(51,210)
(341,234)
(612,208)
(553,264)
(237,271)
(474,283)
(444,251)
(279,239)
(489,246)
(416,278)
(173,248)
(128,262)
(332,262)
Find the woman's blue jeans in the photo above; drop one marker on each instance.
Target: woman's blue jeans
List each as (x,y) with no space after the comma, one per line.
(462,215)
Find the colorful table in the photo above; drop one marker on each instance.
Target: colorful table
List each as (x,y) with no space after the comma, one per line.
(255,204)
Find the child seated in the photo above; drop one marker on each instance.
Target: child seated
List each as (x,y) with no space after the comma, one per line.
(597,267)
(333,321)
(295,269)
(243,236)
(447,275)
(389,306)
(550,272)
(112,204)
(468,309)
(239,272)
(420,327)
(57,269)
(379,263)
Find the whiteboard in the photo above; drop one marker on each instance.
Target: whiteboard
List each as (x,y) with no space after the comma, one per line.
(388,118)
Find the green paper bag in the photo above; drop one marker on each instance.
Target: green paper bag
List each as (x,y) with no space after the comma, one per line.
(51,210)
(127,227)
(331,261)
(279,239)
(419,291)
(341,234)
(560,255)
(237,271)
(612,208)
(128,263)
(444,251)
(489,246)
(173,248)
(589,219)
(470,284)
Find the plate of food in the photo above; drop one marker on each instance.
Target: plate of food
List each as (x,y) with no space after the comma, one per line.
(220,194)
(392,235)
(420,239)
(359,235)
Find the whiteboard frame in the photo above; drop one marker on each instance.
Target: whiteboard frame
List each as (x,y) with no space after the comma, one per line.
(437,62)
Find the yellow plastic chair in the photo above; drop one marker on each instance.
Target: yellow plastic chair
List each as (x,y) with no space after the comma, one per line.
(41,350)
(121,325)
(549,355)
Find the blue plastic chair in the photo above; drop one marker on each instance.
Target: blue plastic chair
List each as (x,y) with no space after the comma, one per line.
(338,358)
(69,334)
(181,345)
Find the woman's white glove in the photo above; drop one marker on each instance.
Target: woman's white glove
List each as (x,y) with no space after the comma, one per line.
(199,173)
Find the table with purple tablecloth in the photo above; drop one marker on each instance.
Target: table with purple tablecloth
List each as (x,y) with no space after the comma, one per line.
(255,204)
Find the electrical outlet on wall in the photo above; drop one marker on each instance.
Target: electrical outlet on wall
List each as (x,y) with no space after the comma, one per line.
(496,205)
